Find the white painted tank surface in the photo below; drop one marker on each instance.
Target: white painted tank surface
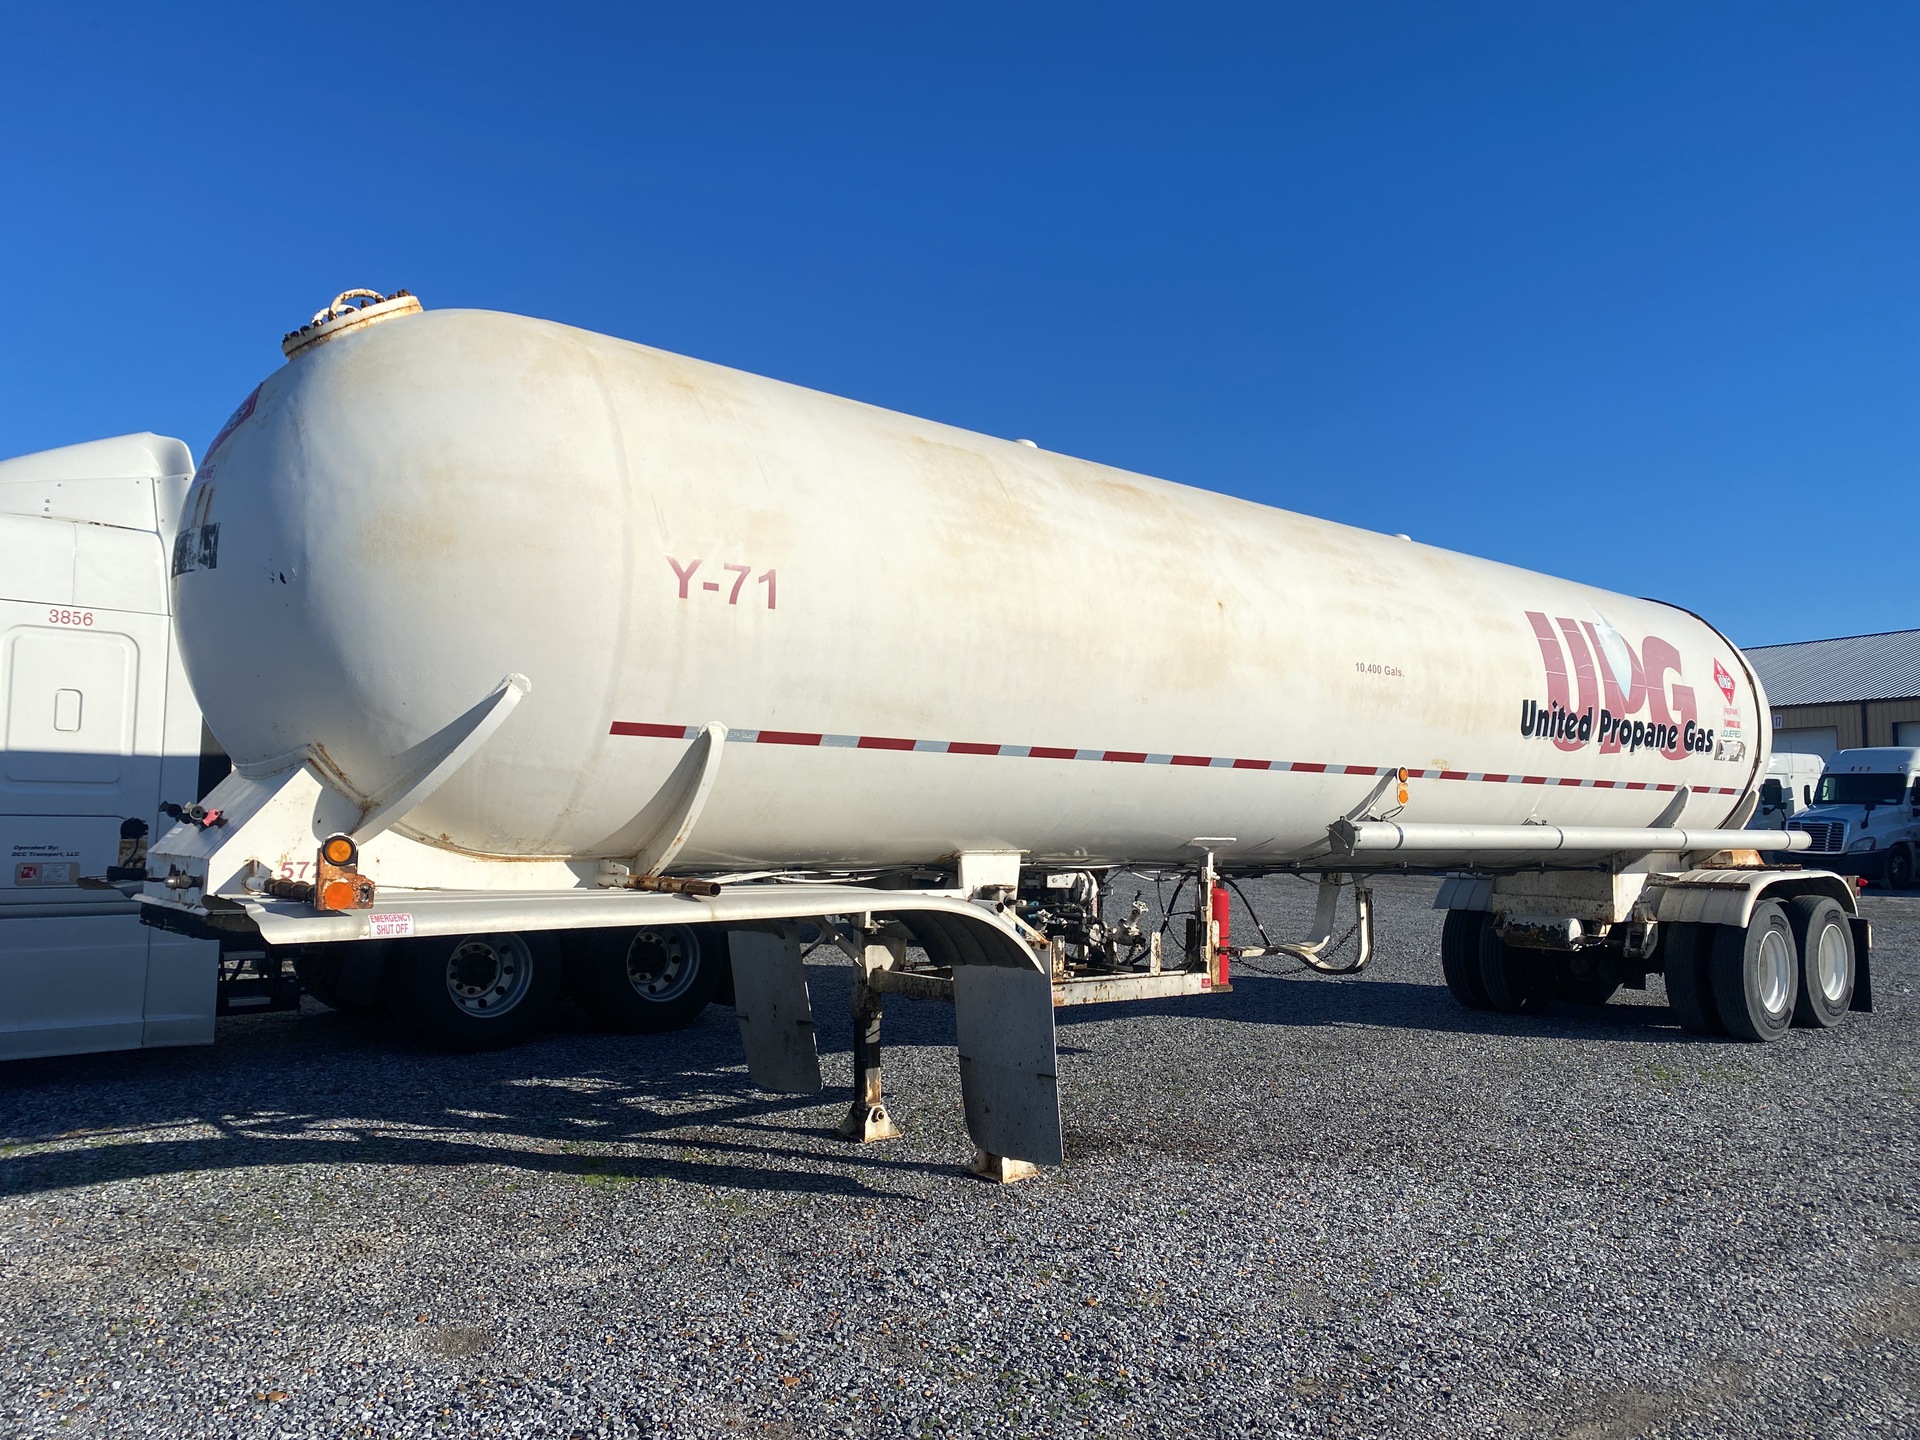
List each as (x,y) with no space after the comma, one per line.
(921,640)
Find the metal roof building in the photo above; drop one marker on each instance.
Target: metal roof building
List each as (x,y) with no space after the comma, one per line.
(1832,695)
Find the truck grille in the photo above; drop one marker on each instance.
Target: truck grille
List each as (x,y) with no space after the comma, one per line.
(1829,836)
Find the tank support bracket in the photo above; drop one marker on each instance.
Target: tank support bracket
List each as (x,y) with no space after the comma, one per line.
(653,838)
(428,765)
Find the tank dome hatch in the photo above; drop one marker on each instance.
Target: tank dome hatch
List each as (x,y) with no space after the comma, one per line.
(350,310)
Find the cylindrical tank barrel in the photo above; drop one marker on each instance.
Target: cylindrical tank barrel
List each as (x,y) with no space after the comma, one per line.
(921,640)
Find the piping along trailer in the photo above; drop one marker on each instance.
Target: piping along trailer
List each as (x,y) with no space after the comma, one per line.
(534,647)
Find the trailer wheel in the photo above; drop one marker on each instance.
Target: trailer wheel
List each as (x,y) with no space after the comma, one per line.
(320,974)
(1825,941)
(1900,868)
(1460,956)
(1584,979)
(343,976)
(475,992)
(658,977)
(1756,974)
(1687,951)
(1514,978)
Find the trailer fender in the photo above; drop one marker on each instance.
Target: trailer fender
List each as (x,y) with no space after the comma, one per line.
(1464,892)
(1727,897)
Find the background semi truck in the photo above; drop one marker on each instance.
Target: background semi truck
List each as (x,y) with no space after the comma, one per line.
(539,650)
(101,729)
(1865,815)
(1787,790)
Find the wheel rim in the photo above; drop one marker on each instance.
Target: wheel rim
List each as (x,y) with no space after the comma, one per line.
(661,964)
(487,975)
(1776,971)
(1830,964)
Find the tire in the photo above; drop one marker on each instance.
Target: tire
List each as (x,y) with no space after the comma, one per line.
(320,977)
(475,992)
(1515,979)
(343,976)
(1460,956)
(644,981)
(1900,868)
(1756,974)
(1584,978)
(1827,966)
(1688,954)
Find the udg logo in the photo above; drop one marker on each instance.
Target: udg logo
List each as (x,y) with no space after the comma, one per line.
(197,546)
(1615,685)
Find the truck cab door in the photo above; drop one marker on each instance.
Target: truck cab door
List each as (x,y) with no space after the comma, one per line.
(80,695)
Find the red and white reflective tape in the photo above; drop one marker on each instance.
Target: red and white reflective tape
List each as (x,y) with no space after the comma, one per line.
(820,739)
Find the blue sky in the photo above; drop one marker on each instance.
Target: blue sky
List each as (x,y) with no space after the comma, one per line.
(1629,293)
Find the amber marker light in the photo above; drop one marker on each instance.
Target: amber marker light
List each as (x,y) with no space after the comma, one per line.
(337,882)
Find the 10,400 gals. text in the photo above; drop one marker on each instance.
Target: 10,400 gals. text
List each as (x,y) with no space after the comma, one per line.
(684,574)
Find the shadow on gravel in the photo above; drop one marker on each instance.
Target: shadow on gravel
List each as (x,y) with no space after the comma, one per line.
(324,1088)
(319,1087)
(1306,1001)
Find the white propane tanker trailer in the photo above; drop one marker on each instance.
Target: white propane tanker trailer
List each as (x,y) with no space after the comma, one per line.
(532,646)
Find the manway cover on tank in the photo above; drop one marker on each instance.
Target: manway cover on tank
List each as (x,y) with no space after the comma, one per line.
(344,316)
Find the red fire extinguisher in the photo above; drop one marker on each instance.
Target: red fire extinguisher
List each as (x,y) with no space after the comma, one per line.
(1222,907)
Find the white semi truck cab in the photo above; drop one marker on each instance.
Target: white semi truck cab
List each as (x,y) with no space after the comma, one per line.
(1865,816)
(99,731)
(1787,789)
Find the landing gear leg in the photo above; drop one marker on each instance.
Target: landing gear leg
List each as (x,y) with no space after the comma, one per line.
(867,1119)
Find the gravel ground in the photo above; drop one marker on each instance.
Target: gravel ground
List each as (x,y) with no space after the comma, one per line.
(1337,1207)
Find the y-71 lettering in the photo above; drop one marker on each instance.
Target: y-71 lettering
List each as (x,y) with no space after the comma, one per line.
(684,574)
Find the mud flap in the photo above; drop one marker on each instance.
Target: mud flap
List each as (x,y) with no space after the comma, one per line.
(1862,963)
(1004,1018)
(776,1017)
